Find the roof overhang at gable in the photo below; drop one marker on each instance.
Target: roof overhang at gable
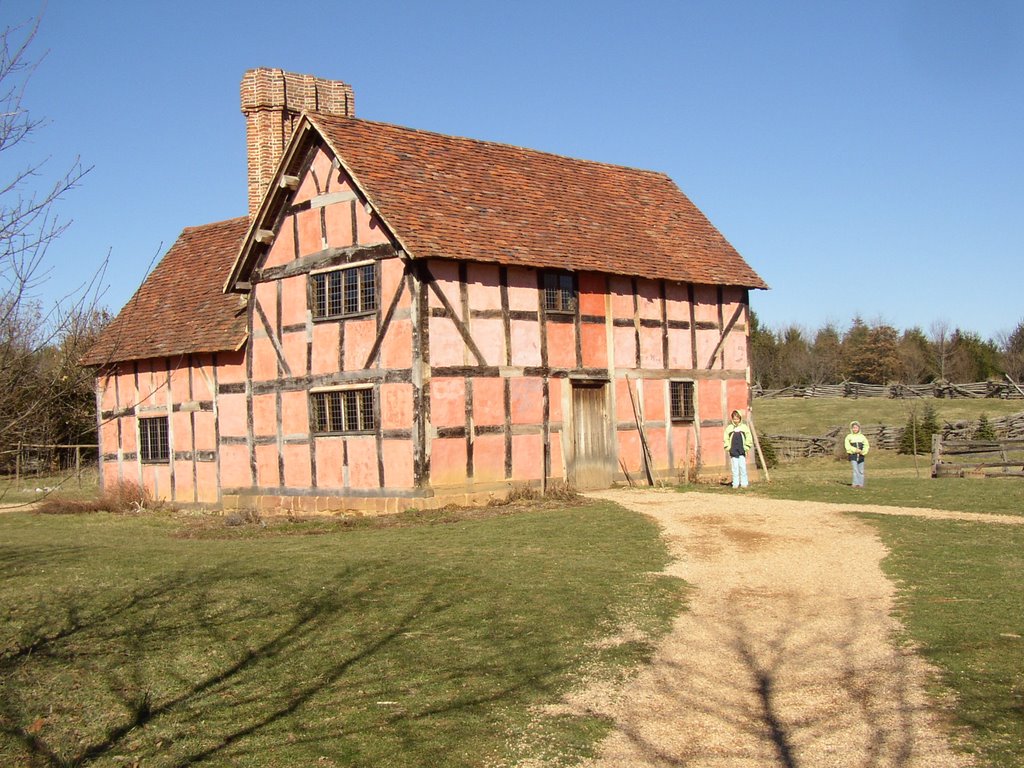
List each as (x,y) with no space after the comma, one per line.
(263,228)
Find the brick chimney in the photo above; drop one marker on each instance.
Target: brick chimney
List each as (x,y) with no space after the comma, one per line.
(272,101)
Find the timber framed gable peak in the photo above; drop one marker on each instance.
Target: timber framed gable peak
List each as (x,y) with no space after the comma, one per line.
(292,170)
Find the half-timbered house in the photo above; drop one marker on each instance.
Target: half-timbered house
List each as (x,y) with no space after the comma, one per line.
(409,319)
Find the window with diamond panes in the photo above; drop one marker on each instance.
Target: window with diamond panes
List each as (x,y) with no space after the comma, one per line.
(154,442)
(343,411)
(681,396)
(559,292)
(344,292)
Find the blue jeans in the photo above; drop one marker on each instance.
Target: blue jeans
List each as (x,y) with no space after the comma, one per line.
(858,473)
(738,464)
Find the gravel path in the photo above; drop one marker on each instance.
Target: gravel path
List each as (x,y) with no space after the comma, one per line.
(785,656)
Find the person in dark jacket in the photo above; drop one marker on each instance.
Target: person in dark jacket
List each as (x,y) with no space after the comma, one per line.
(738,443)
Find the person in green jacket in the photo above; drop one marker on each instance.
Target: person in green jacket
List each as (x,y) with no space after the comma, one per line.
(738,442)
(856,449)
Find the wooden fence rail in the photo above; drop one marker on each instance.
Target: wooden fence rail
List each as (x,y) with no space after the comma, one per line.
(981,458)
(854,389)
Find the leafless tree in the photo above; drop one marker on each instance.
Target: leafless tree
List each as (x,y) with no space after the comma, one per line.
(34,335)
(941,338)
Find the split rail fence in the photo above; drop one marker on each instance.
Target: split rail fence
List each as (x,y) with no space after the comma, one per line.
(981,458)
(855,389)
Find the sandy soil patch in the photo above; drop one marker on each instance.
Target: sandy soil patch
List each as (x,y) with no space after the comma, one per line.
(786,656)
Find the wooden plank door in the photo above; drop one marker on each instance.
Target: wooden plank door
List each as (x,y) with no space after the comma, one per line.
(592,457)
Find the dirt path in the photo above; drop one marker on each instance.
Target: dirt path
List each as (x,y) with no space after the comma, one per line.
(785,656)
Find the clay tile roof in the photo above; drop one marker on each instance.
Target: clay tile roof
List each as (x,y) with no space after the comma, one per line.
(458,198)
(181,308)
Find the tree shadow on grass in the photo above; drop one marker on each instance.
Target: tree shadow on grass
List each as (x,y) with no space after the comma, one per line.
(197,666)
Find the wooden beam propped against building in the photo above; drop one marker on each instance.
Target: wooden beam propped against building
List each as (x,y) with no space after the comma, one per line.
(725,332)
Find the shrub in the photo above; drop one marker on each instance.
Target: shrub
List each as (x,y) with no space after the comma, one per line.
(771,458)
(984,430)
(124,497)
(922,430)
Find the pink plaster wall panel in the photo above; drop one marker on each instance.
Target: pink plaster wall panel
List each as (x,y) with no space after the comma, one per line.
(310,233)
(522,290)
(488,402)
(108,393)
(446,344)
(180,384)
(267,473)
(232,415)
(392,276)
(709,400)
(735,350)
(489,337)
(621,289)
(657,442)
(557,468)
(264,415)
(330,462)
(654,399)
(527,457)
(594,342)
(630,452)
(109,476)
(484,286)
(206,482)
(282,250)
(156,478)
(338,222)
(555,401)
(326,339)
(293,345)
(625,347)
(294,304)
(362,463)
(680,353)
(108,436)
(359,336)
(677,301)
(707,340)
(706,303)
(649,299)
(652,353)
(446,279)
(370,229)
(527,401)
(398,464)
(266,296)
(448,402)
(264,359)
(202,378)
(184,483)
(205,431)
(489,458)
(396,346)
(736,397)
(294,413)
(396,411)
(231,367)
(684,439)
(297,473)
(561,345)
(129,434)
(448,461)
(525,343)
(181,431)
(623,405)
(234,466)
(592,288)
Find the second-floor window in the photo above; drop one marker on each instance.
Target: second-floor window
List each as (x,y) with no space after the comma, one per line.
(559,292)
(343,292)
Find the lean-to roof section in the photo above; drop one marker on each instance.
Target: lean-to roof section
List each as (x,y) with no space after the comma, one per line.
(181,307)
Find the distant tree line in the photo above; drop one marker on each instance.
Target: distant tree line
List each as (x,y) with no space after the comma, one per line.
(878,353)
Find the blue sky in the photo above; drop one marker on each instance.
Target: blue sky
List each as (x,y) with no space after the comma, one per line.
(864,157)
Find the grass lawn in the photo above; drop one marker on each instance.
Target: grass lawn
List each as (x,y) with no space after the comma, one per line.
(816,416)
(158,641)
(962,603)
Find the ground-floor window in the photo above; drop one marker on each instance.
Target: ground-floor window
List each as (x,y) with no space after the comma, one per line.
(343,411)
(154,443)
(681,396)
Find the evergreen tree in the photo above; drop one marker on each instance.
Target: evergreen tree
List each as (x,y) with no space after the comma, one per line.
(984,430)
